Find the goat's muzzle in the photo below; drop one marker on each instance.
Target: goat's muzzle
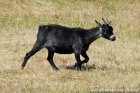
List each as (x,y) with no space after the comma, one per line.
(112,38)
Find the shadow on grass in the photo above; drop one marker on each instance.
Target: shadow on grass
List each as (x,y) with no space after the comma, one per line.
(83,68)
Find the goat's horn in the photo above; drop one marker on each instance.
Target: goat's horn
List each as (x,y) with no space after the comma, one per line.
(104,21)
(108,22)
(97,22)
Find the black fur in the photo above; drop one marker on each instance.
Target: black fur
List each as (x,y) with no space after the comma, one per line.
(65,40)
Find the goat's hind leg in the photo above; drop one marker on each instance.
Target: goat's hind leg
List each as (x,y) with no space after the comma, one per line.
(50,59)
(38,46)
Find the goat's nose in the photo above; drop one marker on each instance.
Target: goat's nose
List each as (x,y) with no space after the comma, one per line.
(112,38)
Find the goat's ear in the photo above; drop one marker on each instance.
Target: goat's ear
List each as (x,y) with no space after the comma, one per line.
(98,23)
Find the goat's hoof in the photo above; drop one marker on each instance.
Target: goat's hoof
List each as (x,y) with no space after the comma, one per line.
(56,69)
(77,67)
(22,67)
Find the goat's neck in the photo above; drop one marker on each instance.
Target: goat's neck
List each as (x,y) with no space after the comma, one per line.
(93,34)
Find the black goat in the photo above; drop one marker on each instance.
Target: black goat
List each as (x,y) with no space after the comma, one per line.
(64,40)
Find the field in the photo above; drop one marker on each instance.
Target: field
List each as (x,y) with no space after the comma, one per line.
(112,65)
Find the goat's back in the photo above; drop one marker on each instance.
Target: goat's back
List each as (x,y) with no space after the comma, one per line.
(60,37)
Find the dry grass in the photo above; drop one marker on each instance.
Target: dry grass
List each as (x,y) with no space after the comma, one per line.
(112,65)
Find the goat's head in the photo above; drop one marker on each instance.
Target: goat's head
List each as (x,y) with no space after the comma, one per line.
(106,30)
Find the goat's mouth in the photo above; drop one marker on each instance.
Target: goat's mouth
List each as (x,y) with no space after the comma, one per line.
(112,38)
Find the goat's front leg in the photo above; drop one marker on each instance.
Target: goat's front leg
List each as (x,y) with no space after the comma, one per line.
(78,64)
(84,54)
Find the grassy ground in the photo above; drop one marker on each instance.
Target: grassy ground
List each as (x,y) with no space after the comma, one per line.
(112,65)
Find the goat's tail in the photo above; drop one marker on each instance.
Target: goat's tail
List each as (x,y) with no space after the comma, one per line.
(41,30)
(36,30)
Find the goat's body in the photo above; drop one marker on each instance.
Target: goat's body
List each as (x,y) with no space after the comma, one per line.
(65,40)
(62,40)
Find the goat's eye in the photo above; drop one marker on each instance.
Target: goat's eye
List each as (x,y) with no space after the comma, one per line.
(110,28)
